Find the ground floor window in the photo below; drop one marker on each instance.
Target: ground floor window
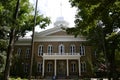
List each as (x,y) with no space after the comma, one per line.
(49,67)
(73,66)
(26,67)
(83,66)
(39,67)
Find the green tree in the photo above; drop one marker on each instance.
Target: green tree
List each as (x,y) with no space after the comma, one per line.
(17,17)
(98,20)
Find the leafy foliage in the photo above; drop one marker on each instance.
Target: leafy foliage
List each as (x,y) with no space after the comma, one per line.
(15,21)
(99,21)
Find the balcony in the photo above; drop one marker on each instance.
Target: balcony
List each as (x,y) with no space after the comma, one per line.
(61,56)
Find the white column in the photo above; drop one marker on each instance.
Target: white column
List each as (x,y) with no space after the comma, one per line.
(55,68)
(43,67)
(79,67)
(67,68)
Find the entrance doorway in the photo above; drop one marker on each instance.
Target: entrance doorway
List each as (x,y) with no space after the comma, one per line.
(61,68)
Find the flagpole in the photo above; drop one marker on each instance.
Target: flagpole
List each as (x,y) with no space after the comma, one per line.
(32,42)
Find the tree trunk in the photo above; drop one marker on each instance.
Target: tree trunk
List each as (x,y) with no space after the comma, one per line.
(32,43)
(11,44)
(9,55)
(112,62)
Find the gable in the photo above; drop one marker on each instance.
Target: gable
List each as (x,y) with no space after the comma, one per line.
(56,31)
(59,33)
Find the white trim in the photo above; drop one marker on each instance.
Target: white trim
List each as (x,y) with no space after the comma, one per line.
(61,49)
(49,31)
(50,49)
(40,50)
(72,49)
(83,66)
(82,50)
(19,51)
(39,67)
(49,67)
(73,67)
(58,38)
(61,57)
(27,55)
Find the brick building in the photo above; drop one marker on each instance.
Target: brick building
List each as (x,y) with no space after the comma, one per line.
(56,53)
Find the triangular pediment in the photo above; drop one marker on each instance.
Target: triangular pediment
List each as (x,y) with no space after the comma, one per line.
(58,33)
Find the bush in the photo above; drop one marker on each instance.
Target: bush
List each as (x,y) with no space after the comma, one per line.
(17,78)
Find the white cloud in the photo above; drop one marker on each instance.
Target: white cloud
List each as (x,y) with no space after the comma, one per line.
(52,9)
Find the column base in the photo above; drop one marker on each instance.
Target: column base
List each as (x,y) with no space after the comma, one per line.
(67,77)
(42,77)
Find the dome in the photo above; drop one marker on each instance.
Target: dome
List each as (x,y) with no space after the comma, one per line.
(60,19)
(60,22)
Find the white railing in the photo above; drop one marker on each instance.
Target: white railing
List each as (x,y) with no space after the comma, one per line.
(61,54)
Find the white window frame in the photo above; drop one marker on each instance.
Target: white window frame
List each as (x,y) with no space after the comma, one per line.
(73,65)
(49,67)
(83,66)
(72,49)
(19,51)
(26,67)
(50,49)
(82,50)
(40,50)
(27,53)
(61,49)
(39,67)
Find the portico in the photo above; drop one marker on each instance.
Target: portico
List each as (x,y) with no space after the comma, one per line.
(61,65)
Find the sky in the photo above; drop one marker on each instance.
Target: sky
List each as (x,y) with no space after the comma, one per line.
(54,9)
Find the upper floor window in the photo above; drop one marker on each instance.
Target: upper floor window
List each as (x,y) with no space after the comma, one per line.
(50,49)
(39,67)
(40,50)
(19,51)
(61,49)
(82,50)
(27,53)
(72,49)
(83,66)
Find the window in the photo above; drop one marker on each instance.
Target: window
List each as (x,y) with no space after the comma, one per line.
(50,49)
(19,51)
(39,67)
(82,50)
(40,50)
(61,49)
(26,67)
(27,52)
(72,49)
(83,66)
(49,69)
(73,67)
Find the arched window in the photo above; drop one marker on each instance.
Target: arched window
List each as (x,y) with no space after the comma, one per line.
(27,53)
(61,49)
(82,50)
(19,51)
(39,67)
(49,67)
(73,67)
(50,49)
(40,50)
(83,66)
(72,49)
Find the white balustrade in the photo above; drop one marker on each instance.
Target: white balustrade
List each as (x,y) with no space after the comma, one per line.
(60,54)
